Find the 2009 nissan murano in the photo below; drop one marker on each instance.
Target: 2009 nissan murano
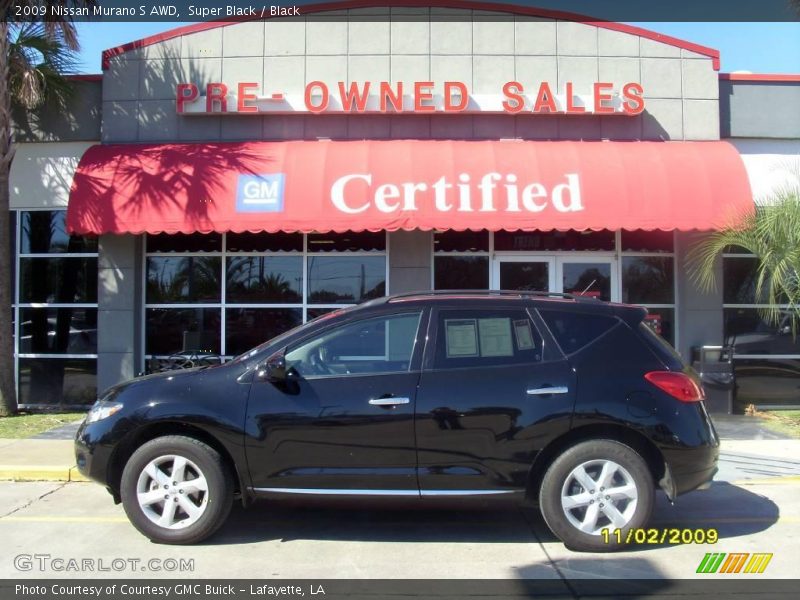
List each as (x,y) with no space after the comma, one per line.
(566,402)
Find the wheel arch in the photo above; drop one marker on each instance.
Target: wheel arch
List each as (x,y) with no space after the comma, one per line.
(152,431)
(614,432)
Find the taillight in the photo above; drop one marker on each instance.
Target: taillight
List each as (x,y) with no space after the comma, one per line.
(677,385)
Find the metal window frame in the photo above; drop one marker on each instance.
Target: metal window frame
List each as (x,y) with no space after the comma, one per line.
(222,305)
(616,255)
(17,306)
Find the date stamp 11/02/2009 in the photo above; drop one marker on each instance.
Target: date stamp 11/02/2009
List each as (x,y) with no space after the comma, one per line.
(660,536)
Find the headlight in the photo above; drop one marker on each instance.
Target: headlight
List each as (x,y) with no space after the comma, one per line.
(102,409)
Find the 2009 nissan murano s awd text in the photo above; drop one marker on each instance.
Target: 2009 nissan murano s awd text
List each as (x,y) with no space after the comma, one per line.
(566,402)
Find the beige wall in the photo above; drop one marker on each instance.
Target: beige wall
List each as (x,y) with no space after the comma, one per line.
(41,174)
(681,87)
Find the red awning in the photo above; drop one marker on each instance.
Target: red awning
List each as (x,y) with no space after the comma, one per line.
(376,185)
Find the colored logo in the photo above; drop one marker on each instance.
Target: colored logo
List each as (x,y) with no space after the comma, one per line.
(734,562)
(260,193)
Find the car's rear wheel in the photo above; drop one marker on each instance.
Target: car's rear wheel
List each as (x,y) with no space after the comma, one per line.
(176,490)
(594,486)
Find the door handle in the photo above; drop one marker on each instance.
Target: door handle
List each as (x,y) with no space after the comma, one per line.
(547,391)
(390,401)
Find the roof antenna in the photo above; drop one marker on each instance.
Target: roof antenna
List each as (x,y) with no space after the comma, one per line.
(588,286)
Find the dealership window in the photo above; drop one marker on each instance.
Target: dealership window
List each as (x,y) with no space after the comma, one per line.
(766,353)
(225,293)
(55,311)
(647,266)
(462,260)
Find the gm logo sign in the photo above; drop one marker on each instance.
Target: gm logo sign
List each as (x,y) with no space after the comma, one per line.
(260,193)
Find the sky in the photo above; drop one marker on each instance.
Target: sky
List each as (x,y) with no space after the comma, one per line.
(755,47)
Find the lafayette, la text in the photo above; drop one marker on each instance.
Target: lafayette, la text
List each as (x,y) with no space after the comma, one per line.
(204,590)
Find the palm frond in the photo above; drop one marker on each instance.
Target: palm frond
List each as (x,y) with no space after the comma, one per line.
(772,235)
(38,61)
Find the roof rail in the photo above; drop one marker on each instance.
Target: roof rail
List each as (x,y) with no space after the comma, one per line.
(509,293)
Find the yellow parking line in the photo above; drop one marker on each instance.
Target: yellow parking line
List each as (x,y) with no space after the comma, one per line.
(786,480)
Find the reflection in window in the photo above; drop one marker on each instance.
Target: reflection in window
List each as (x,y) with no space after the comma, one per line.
(662,321)
(54,381)
(183,279)
(380,345)
(740,275)
(58,280)
(534,241)
(647,241)
(184,242)
(363,241)
(461,241)
(345,279)
(171,330)
(66,330)
(461,272)
(268,280)
(774,382)
(648,279)
(264,242)
(749,333)
(44,232)
(246,328)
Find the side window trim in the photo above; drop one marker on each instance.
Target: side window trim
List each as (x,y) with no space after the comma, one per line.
(416,353)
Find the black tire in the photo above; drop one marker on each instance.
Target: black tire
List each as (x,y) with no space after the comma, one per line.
(217,501)
(557,476)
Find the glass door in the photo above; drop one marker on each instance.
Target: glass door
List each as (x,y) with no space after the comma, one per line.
(588,276)
(580,275)
(529,273)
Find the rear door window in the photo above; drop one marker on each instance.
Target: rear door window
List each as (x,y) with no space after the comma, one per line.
(574,330)
(479,338)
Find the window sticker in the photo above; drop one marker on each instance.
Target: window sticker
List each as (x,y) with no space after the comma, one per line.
(522,329)
(495,337)
(462,337)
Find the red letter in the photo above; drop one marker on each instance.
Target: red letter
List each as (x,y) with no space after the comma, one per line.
(323,90)
(186,92)
(216,92)
(420,95)
(571,107)
(448,96)
(354,96)
(389,96)
(544,99)
(600,97)
(243,97)
(513,91)
(634,99)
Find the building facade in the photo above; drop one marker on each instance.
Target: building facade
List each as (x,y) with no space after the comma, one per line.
(233,180)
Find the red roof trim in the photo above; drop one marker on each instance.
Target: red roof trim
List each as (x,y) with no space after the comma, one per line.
(765,77)
(86,77)
(465,4)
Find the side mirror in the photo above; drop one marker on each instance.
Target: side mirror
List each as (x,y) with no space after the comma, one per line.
(274,370)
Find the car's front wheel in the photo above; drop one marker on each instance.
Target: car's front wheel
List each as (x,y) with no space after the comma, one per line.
(176,490)
(594,486)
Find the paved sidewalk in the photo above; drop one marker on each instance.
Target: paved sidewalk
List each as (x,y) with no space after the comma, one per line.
(38,460)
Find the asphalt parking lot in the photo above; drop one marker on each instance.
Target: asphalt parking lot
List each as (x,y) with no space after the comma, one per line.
(754,505)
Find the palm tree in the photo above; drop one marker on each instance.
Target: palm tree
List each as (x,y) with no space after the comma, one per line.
(34,60)
(772,235)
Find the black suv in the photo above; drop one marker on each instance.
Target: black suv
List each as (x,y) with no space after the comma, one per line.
(566,402)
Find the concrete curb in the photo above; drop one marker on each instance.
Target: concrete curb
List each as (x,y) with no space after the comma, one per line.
(40,473)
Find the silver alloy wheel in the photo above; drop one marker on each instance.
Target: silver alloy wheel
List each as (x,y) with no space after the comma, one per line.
(599,494)
(172,491)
